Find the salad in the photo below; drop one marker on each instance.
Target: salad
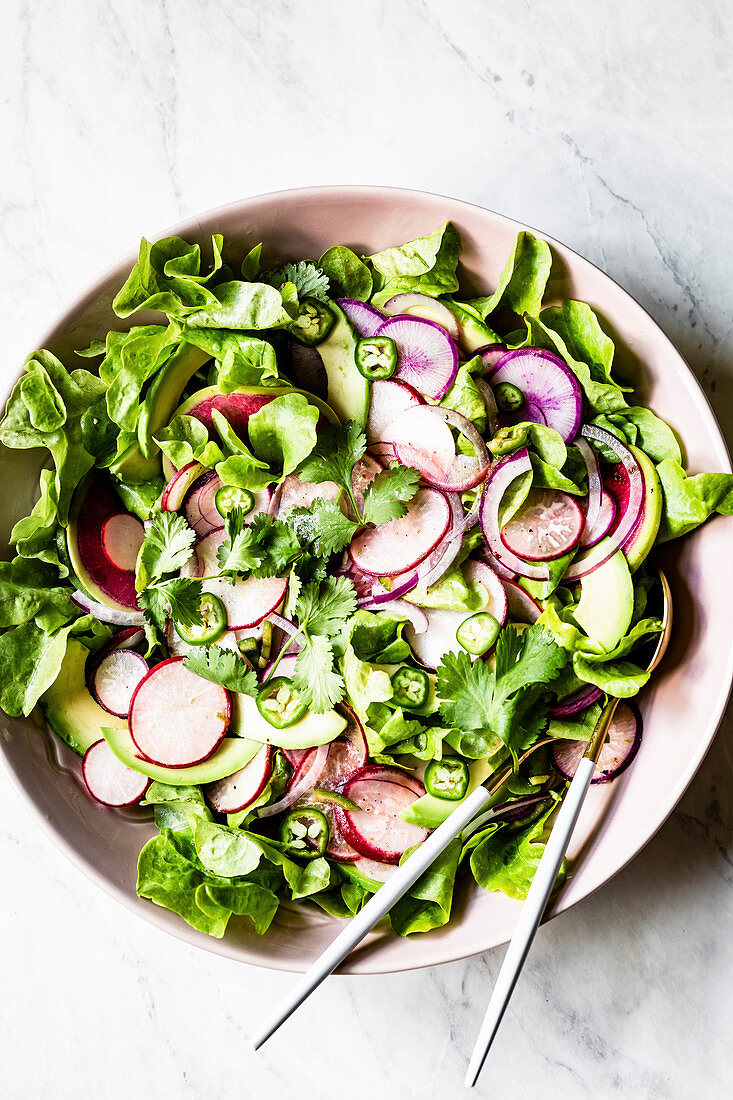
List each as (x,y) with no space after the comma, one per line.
(323,548)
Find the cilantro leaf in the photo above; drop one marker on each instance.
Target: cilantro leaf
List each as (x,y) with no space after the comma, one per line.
(239,551)
(465,689)
(225,667)
(178,598)
(318,683)
(325,525)
(386,496)
(324,609)
(265,547)
(335,454)
(309,280)
(167,546)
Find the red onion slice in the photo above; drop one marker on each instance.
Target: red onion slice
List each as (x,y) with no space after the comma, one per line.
(112,615)
(502,476)
(493,423)
(421,437)
(306,783)
(593,510)
(573,704)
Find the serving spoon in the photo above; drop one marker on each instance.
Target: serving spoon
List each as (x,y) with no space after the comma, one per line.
(423,856)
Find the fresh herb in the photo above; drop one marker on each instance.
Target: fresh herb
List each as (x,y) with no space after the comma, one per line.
(167,547)
(178,598)
(265,547)
(225,667)
(324,525)
(309,280)
(386,496)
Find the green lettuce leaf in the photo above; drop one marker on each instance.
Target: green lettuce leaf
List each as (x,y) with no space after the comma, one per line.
(523,279)
(642,428)
(689,501)
(29,593)
(427,264)
(348,276)
(30,659)
(377,637)
(428,903)
(283,432)
(505,859)
(168,277)
(242,359)
(465,397)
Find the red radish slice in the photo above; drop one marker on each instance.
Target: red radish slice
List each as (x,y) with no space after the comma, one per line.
(249,601)
(374,869)
(106,583)
(477,572)
(573,704)
(115,679)
(427,357)
(552,395)
(397,546)
(107,614)
(376,830)
(600,511)
(127,638)
(176,717)
(389,399)
(548,525)
(419,441)
(491,354)
(366,320)
(204,561)
(122,537)
(200,505)
(431,647)
(348,753)
(388,774)
(304,779)
(237,791)
(294,493)
(295,757)
(501,477)
(177,488)
(110,781)
(420,305)
(622,745)
(522,608)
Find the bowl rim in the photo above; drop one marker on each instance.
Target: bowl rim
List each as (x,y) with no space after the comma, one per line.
(182,931)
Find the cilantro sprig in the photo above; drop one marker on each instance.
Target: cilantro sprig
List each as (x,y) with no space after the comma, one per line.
(166,548)
(308,280)
(225,667)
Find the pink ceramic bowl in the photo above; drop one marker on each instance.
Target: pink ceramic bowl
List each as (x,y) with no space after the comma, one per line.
(681,708)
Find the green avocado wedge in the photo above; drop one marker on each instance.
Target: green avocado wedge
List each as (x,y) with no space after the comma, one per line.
(473,333)
(310,731)
(606,602)
(640,544)
(349,392)
(231,755)
(428,812)
(165,393)
(71,710)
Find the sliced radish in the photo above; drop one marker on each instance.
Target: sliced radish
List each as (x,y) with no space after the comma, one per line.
(366,319)
(294,757)
(115,679)
(376,829)
(622,745)
(551,392)
(364,472)
(294,493)
(420,305)
(348,753)
(547,525)
(440,638)
(501,477)
(493,421)
(522,608)
(304,779)
(122,537)
(237,791)
(422,438)
(477,572)
(286,668)
(109,780)
(178,486)
(604,523)
(248,602)
(109,585)
(427,357)
(200,505)
(389,399)
(397,546)
(127,638)
(491,354)
(176,717)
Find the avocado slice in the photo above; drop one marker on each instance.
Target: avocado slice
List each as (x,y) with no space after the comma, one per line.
(606,602)
(133,467)
(473,332)
(348,391)
(428,812)
(231,755)
(641,543)
(165,393)
(314,729)
(71,710)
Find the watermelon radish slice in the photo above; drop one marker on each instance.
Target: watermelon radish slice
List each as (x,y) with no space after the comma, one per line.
(521,607)
(376,829)
(176,717)
(237,791)
(427,357)
(622,745)
(115,679)
(122,537)
(110,781)
(105,583)
(390,398)
(547,525)
(550,390)
(421,305)
(365,319)
(491,354)
(395,547)
(178,486)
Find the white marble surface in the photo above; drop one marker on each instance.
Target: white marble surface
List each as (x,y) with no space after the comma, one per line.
(607,126)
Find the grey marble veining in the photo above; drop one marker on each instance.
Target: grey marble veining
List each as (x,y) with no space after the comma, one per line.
(609,127)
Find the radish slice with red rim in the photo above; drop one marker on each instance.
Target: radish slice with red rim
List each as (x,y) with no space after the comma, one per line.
(573,704)
(115,679)
(427,357)
(294,757)
(491,354)
(550,391)
(179,485)
(376,829)
(603,525)
(122,537)
(176,717)
(389,399)
(421,305)
(422,438)
(547,525)
(521,607)
(500,478)
(365,319)
(600,511)
(237,791)
(395,547)
(294,493)
(364,472)
(108,780)
(431,646)
(247,602)
(622,745)
(304,779)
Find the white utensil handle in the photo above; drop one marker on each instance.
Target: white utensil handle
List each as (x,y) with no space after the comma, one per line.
(531,914)
(376,908)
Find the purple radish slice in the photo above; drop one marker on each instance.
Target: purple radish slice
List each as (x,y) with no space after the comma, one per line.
(420,305)
(178,486)
(491,354)
(376,830)
(420,438)
(603,525)
(394,547)
(389,399)
(294,493)
(108,780)
(522,608)
(176,717)
(427,357)
(501,477)
(304,779)
(107,614)
(237,791)
(365,319)
(573,704)
(115,679)
(389,774)
(622,745)
(200,504)
(477,572)
(547,525)
(551,392)
(106,583)
(308,370)
(122,537)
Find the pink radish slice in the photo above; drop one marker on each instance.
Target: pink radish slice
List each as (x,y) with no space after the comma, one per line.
(110,781)
(294,493)
(364,472)
(122,537)
(389,399)
(127,638)
(552,395)
(237,791)
(440,638)
(375,869)
(115,679)
(419,441)
(176,717)
(366,320)
(294,757)
(477,572)
(200,507)
(249,601)
(500,478)
(377,830)
(388,774)
(522,608)
(397,546)
(420,305)
(92,507)
(573,704)
(107,614)
(491,354)
(177,488)
(427,357)
(304,779)
(348,753)
(604,523)
(548,525)
(624,738)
